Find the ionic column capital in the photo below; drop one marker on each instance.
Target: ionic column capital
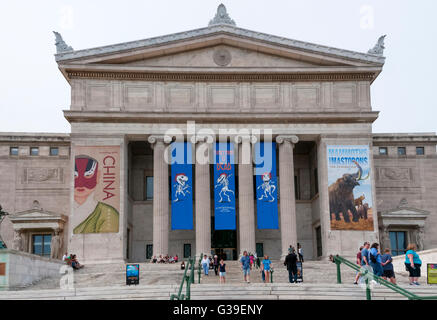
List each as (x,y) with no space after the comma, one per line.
(202,138)
(153,139)
(289,138)
(245,138)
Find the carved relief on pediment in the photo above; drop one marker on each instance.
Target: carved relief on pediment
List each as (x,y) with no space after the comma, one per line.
(43,175)
(395,174)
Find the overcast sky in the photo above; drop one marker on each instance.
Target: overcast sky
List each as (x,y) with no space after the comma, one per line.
(33,92)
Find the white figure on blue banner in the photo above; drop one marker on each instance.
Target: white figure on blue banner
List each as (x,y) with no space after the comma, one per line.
(223,183)
(267,188)
(182,187)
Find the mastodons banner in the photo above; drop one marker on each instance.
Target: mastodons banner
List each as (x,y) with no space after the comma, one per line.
(181,186)
(350,188)
(266,185)
(224,187)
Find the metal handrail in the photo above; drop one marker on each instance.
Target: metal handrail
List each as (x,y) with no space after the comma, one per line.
(199,270)
(366,273)
(189,279)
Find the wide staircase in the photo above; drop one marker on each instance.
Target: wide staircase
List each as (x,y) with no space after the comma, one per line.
(160,281)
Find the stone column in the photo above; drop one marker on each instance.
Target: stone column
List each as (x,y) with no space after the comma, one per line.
(385,238)
(202,195)
(246,205)
(286,189)
(160,196)
(17,243)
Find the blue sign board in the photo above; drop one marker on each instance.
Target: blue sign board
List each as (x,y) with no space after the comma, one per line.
(132,274)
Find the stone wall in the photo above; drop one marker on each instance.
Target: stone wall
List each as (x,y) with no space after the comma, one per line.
(23,269)
(26,178)
(411,177)
(135,96)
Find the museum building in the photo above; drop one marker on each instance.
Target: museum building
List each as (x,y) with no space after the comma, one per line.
(107,191)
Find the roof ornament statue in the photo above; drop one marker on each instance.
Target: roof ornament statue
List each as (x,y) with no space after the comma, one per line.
(221,17)
(378,49)
(60,44)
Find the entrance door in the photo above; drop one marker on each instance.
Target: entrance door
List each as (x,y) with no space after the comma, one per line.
(224,243)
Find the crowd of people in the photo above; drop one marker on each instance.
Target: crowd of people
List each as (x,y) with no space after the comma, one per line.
(72,261)
(165,259)
(370,258)
(250,261)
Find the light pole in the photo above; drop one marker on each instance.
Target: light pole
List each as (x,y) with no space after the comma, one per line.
(2,215)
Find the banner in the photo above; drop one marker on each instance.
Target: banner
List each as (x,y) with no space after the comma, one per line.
(224,187)
(350,188)
(266,185)
(96,189)
(181,186)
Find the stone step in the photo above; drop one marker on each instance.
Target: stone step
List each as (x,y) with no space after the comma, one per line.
(225,292)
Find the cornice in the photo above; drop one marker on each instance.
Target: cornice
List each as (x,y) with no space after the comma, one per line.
(222,76)
(214,117)
(220,29)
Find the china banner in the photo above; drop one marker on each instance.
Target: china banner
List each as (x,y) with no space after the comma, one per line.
(96,189)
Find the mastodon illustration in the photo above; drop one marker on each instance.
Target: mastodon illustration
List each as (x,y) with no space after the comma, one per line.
(341,197)
(362,211)
(359,201)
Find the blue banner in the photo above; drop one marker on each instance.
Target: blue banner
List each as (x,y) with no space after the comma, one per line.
(224,187)
(266,185)
(181,186)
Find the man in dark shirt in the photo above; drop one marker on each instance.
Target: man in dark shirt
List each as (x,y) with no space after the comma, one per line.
(290,262)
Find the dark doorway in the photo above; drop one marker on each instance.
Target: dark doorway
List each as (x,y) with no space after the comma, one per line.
(319,241)
(260,250)
(149,251)
(187,250)
(224,243)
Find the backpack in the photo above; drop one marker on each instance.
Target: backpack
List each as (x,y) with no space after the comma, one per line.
(372,257)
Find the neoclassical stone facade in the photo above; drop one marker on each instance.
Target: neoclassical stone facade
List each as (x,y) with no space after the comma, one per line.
(130,96)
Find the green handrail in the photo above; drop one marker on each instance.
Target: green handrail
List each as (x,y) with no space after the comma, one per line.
(189,279)
(199,270)
(339,260)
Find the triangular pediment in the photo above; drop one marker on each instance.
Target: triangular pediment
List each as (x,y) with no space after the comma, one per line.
(197,48)
(35,214)
(405,212)
(223,56)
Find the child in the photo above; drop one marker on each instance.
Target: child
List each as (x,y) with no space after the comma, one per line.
(222,270)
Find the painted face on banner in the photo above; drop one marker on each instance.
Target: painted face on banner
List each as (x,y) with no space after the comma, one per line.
(85,175)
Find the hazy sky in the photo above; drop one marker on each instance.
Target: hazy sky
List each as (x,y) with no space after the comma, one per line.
(33,92)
